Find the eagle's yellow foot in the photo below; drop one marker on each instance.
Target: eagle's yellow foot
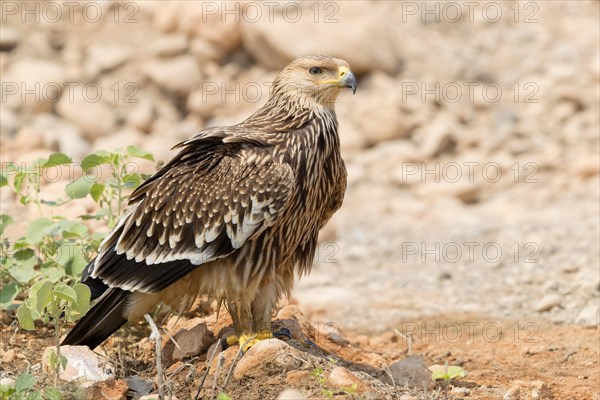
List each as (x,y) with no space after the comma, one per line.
(250,339)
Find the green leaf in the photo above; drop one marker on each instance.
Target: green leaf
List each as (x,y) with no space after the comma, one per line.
(25,317)
(139,153)
(455,372)
(3,180)
(38,229)
(52,394)
(446,373)
(56,159)
(65,292)
(23,273)
(96,191)
(24,382)
(94,160)
(79,263)
(8,294)
(41,295)
(83,298)
(72,229)
(132,180)
(79,188)
(53,274)
(5,220)
(35,396)
(19,180)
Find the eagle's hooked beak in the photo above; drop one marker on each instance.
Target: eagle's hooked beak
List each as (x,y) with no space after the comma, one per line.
(347,79)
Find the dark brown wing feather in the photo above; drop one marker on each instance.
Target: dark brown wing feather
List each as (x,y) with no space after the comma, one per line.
(219,192)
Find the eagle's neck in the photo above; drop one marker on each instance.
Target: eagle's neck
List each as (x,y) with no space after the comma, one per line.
(285,112)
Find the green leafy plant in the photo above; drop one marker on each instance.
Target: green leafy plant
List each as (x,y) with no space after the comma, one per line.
(54,247)
(23,389)
(46,263)
(318,374)
(446,374)
(49,301)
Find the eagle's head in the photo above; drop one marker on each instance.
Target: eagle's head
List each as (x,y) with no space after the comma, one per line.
(314,79)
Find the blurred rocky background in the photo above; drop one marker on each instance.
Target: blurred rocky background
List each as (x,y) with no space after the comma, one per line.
(473,123)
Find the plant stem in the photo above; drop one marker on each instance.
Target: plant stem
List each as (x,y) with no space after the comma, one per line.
(57,337)
(157,338)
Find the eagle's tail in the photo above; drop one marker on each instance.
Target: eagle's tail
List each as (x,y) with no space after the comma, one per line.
(105,317)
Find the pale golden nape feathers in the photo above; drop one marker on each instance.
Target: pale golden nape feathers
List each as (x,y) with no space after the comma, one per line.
(234,215)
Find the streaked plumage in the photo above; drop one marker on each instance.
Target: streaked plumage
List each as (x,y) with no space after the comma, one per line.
(234,215)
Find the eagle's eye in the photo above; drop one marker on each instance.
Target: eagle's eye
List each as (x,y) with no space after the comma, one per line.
(315,71)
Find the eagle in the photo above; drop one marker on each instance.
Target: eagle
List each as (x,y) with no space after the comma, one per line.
(235,215)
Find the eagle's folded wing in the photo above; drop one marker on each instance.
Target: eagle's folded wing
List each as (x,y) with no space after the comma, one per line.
(203,205)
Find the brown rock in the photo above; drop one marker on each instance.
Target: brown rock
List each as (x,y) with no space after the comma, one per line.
(190,342)
(411,372)
(298,377)
(8,356)
(342,378)
(292,313)
(112,389)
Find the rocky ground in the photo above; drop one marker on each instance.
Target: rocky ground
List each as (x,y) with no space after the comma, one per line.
(469,233)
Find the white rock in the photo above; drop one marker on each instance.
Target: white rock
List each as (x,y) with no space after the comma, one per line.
(548,302)
(105,57)
(83,365)
(61,135)
(95,118)
(180,75)
(291,394)
(9,37)
(9,123)
(6,383)
(590,315)
(514,393)
(274,41)
(142,116)
(168,45)
(377,116)
(189,18)
(38,82)
(438,136)
(271,353)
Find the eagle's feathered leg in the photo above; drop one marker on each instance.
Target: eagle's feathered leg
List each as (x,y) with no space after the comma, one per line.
(262,309)
(241,314)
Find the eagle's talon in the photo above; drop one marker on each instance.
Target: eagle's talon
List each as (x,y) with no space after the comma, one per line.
(282,333)
(229,341)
